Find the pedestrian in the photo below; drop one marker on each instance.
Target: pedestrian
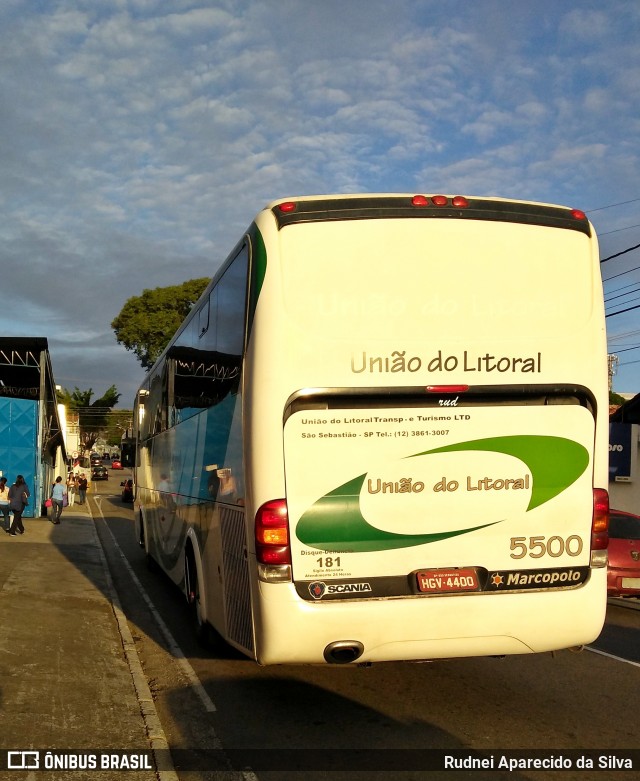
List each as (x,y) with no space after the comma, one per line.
(71,489)
(4,504)
(82,488)
(18,500)
(58,494)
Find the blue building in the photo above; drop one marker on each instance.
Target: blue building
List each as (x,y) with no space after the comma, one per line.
(31,437)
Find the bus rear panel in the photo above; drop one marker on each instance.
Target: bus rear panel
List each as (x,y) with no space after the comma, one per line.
(440,388)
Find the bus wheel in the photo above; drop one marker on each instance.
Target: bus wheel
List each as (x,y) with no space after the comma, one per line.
(192,588)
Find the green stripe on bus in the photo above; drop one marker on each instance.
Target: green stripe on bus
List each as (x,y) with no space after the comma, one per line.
(258,272)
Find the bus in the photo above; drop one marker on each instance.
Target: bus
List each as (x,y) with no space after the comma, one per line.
(381,434)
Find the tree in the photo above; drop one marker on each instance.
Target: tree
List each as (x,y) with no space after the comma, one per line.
(147,322)
(616,398)
(118,422)
(92,418)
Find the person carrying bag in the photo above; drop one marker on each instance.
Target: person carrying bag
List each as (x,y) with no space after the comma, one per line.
(4,504)
(18,499)
(58,496)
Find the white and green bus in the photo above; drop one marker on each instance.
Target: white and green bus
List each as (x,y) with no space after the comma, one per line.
(381,434)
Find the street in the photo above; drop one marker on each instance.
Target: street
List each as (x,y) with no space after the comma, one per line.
(282,720)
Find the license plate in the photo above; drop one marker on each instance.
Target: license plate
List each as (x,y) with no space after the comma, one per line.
(630,582)
(437,581)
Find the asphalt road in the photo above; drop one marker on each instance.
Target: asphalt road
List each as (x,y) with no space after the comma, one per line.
(313,716)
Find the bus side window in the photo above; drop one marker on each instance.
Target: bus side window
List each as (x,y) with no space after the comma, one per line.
(207,340)
(231,306)
(203,319)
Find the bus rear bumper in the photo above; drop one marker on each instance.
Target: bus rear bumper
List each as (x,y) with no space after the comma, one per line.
(290,630)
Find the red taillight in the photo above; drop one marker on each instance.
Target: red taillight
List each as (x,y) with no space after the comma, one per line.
(287,206)
(578,214)
(600,522)
(272,533)
(447,388)
(459,201)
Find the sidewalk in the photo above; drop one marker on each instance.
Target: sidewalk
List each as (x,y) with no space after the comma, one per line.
(64,678)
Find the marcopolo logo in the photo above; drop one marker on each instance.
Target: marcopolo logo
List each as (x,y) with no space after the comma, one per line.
(318,589)
(536,579)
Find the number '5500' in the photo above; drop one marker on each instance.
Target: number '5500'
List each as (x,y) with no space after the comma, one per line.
(537,547)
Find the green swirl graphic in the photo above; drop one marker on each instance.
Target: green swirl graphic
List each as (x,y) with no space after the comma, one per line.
(335,522)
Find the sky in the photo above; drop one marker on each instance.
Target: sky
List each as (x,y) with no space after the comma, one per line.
(139,138)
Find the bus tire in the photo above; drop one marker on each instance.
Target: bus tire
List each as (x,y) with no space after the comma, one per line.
(192,590)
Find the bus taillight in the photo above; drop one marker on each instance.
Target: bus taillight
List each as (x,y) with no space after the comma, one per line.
(447,388)
(600,528)
(459,201)
(272,541)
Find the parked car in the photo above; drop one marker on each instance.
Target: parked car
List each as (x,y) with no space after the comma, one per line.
(623,573)
(127,491)
(116,464)
(99,472)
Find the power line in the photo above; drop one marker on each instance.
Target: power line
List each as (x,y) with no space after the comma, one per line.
(624,287)
(622,295)
(100,412)
(626,349)
(622,311)
(618,230)
(621,274)
(628,301)
(624,335)
(612,205)
(617,255)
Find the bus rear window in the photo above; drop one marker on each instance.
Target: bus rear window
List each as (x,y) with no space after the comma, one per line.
(382,279)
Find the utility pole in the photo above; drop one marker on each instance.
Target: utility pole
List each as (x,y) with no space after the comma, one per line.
(613,362)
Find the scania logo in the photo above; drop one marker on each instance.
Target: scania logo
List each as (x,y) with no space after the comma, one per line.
(317,589)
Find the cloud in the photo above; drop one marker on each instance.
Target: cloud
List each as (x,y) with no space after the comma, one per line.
(585,26)
(140,138)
